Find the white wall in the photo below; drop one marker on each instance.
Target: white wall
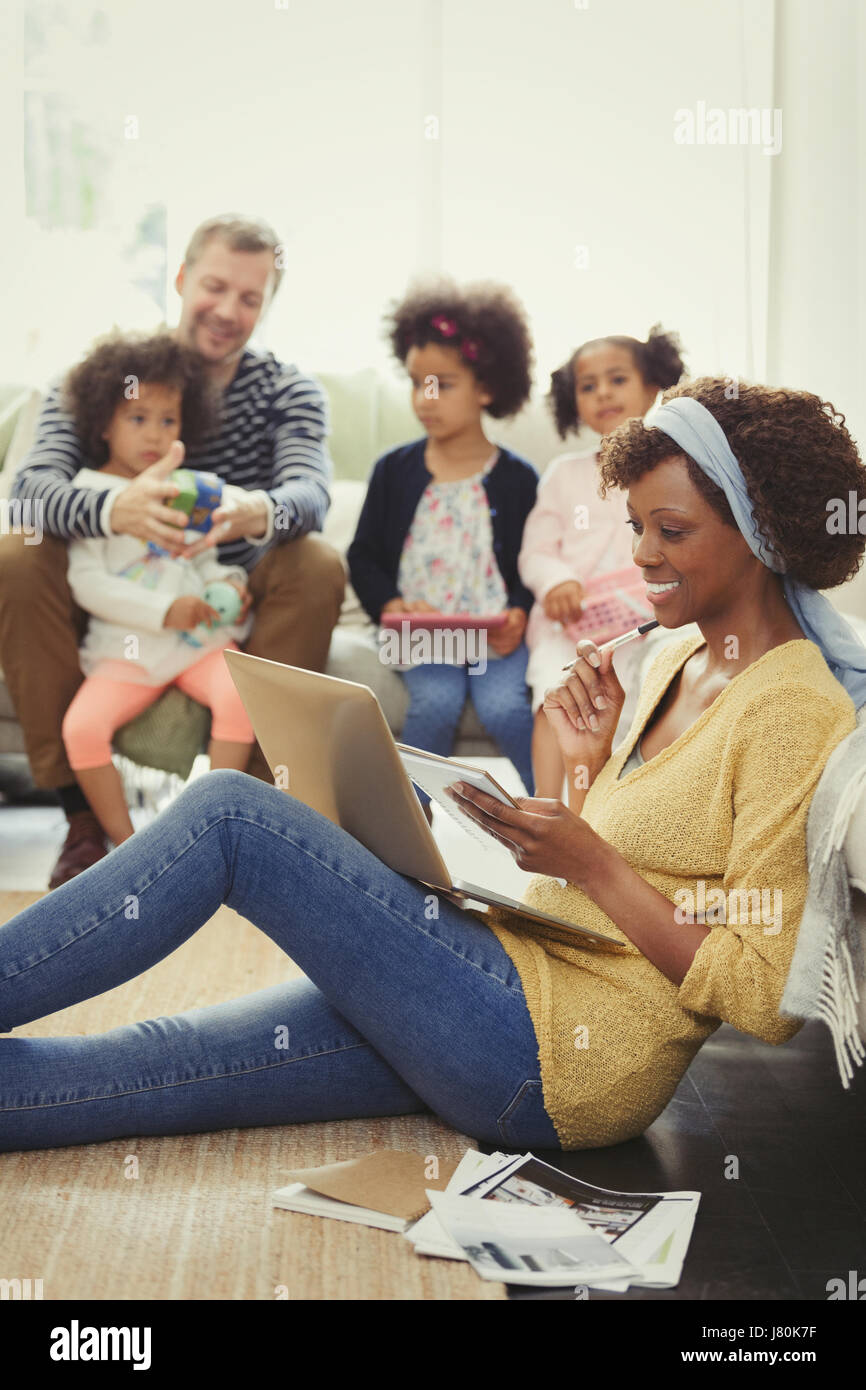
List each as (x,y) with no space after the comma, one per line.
(555,130)
(816,306)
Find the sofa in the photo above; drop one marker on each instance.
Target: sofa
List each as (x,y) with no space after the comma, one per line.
(370,413)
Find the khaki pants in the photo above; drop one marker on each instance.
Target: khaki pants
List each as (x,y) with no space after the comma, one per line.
(297,590)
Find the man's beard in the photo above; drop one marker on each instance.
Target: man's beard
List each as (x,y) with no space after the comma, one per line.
(231,356)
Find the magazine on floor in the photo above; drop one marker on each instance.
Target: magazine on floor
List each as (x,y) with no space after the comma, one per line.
(520,1243)
(651,1230)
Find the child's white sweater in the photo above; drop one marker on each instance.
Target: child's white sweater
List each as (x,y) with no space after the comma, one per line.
(128,591)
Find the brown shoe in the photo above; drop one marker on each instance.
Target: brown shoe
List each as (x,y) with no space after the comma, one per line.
(84,845)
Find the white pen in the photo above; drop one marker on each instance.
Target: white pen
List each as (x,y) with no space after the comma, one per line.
(626,637)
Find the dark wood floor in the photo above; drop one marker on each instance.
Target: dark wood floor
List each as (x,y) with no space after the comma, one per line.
(796,1216)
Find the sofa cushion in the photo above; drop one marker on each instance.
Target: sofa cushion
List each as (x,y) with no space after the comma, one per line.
(347,499)
(169,735)
(19,411)
(370,413)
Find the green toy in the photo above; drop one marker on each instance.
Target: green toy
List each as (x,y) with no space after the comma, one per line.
(200,495)
(225,599)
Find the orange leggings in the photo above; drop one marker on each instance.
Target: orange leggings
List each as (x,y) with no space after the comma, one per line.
(104,704)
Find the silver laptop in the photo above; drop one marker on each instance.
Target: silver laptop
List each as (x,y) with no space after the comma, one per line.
(328,743)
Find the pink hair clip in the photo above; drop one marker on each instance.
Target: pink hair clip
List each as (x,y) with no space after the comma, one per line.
(469,349)
(447,327)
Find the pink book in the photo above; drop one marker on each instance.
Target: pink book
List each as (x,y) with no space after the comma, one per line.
(435,620)
(612,604)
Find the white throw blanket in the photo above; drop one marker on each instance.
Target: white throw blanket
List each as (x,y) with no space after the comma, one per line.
(827,979)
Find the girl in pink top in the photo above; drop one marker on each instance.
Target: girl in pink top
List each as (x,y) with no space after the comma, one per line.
(572,534)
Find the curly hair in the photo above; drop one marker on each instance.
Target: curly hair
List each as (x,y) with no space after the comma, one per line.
(796,455)
(94,388)
(658,360)
(484,322)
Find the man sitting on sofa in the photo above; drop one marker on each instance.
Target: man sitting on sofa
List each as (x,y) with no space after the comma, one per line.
(271,448)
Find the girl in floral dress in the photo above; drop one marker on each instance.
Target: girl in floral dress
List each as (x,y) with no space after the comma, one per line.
(442,522)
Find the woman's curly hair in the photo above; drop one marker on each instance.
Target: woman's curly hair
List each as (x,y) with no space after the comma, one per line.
(94,388)
(659,361)
(796,455)
(484,322)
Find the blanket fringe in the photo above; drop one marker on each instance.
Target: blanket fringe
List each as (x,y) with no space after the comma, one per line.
(837,1007)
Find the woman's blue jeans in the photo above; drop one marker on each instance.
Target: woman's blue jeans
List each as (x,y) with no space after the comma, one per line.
(409,1004)
(437,694)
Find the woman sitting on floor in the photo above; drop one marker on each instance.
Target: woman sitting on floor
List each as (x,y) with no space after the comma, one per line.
(687,845)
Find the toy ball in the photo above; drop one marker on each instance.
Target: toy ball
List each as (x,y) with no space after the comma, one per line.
(200,495)
(225,599)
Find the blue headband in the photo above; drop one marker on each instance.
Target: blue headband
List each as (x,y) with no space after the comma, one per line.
(699,434)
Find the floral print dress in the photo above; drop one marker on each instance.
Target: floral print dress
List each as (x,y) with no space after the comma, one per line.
(448,558)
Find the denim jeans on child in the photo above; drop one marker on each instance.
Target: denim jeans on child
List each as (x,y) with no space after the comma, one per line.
(437,694)
(409,1004)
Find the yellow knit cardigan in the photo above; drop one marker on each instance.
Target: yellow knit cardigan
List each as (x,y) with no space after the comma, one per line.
(725,803)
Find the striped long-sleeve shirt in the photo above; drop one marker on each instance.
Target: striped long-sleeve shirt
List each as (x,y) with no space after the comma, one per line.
(271,440)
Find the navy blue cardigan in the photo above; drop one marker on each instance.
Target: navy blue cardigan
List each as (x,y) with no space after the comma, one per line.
(396,486)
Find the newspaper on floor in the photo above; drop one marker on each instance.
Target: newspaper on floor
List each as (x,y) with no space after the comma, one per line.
(651,1230)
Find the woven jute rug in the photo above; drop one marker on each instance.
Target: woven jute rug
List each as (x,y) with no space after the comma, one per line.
(196,1223)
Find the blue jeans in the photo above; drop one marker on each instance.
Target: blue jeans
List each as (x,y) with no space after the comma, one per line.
(409,1004)
(437,694)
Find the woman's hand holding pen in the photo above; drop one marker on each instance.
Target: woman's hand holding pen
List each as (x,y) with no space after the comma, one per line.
(584,710)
